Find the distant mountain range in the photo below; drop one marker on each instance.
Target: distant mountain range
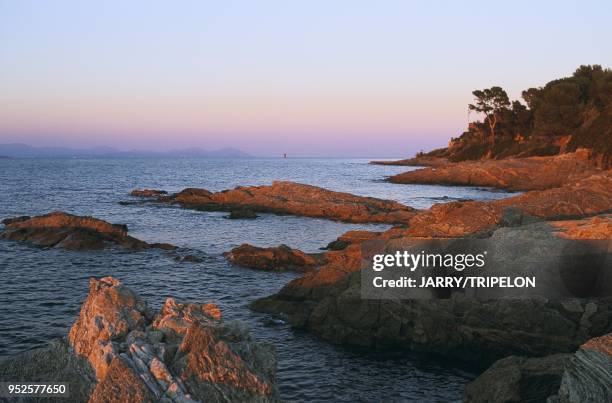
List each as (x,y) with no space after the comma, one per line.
(17,150)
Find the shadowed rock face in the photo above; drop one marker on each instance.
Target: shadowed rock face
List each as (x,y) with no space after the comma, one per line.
(63,230)
(295,199)
(588,377)
(278,258)
(585,376)
(54,363)
(122,351)
(518,379)
(533,173)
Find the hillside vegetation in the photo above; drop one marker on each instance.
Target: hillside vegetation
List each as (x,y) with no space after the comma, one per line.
(562,116)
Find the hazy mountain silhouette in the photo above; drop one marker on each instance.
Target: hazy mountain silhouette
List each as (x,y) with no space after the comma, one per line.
(18,150)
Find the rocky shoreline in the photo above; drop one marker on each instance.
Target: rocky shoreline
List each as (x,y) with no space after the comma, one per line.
(513,174)
(120,350)
(328,301)
(538,348)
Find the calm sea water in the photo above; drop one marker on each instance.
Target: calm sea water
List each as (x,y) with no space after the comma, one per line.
(42,289)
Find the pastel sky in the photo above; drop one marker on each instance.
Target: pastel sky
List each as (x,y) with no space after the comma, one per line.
(310,78)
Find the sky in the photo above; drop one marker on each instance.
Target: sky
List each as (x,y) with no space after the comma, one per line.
(310,78)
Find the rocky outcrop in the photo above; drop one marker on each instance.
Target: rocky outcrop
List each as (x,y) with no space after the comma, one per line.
(351,237)
(147,192)
(585,376)
(422,161)
(295,199)
(588,377)
(63,230)
(279,258)
(598,227)
(120,350)
(583,198)
(518,379)
(329,301)
(533,173)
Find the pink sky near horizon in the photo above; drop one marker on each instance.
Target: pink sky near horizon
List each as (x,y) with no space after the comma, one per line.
(311,79)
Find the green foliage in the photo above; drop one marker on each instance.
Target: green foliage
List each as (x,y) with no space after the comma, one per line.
(559,107)
(490,100)
(579,105)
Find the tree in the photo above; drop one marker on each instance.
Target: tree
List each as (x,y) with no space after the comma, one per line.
(490,101)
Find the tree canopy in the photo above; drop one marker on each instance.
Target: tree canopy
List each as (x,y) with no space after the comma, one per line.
(578,108)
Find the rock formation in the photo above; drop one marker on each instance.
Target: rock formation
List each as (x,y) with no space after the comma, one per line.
(328,301)
(588,377)
(585,376)
(351,237)
(63,230)
(533,173)
(418,161)
(518,379)
(582,198)
(242,214)
(120,350)
(295,199)
(598,227)
(278,258)
(147,192)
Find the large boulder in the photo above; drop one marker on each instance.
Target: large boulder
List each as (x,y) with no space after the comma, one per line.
(120,350)
(588,377)
(72,232)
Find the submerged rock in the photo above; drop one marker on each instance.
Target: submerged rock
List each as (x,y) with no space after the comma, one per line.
(122,351)
(241,214)
(295,199)
(188,258)
(278,258)
(63,230)
(532,173)
(147,192)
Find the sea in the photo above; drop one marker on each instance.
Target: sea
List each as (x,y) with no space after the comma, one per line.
(42,289)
